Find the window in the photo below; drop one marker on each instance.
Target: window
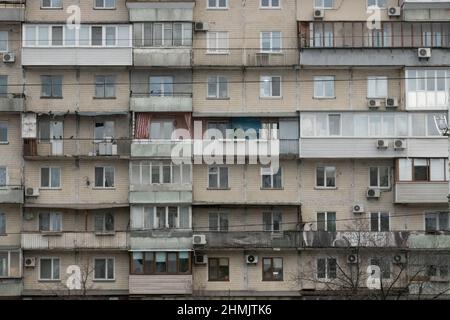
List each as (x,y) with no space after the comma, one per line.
(218,221)
(161,129)
(160,217)
(50,221)
(323,34)
(160,263)
(334,124)
(436,221)
(50,130)
(421,168)
(154,172)
(51,177)
(326,177)
(104,177)
(323,4)
(427,88)
(2,223)
(269,4)
(385,266)
(270,180)
(51,86)
(105,87)
(104,269)
(326,221)
(376,3)
(217,42)
(10,264)
(440,272)
(3,41)
(47,4)
(3,86)
(379,221)
(104,222)
(272,221)
(272,269)
(270,86)
(217,177)
(217,87)
(379,177)
(269,130)
(3,132)
(161,86)
(218,269)
(217,4)
(271,41)
(324,87)
(105,4)
(3,177)
(326,268)
(103,130)
(377,87)
(49,269)
(160,34)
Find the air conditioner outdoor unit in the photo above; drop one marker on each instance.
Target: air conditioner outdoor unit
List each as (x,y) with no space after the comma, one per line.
(200,259)
(201,26)
(319,13)
(394,11)
(357,208)
(382,144)
(199,239)
(30,262)
(352,259)
(32,192)
(399,144)
(391,102)
(262,59)
(251,259)
(424,53)
(9,57)
(399,259)
(373,193)
(374,103)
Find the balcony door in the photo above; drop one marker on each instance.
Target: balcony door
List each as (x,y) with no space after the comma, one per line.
(56,137)
(161,86)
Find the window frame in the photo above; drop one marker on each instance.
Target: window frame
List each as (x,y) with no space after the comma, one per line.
(51,215)
(51,5)
(53,87)
(326,221)
(50,186)
(269,78)
(271,50)
(153,271)
(382,259)
(103,216)
(272,216)
(106,278)
(5,186)
(323,5)
(102,82)
(220,216)
(325,186)
(375,81)
(52,258)
(217,7)
(104,177)
(216,38)
(270,5)
(272,278)
(272,179)
(104,7)
(216,79)
(378,186)
(438,228)
(327,270)
(9,273)
(4,126)
(3,224)
(218,278)
(323,81)
(218,177)
(377,5)
(379,222)
(143,209)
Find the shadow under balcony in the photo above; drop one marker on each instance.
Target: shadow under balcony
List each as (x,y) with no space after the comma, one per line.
(178,102)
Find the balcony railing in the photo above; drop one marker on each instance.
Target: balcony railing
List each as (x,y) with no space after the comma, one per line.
(13,102)
(12,10)
(74,240)
(11,194)
(175,102)
(62,148)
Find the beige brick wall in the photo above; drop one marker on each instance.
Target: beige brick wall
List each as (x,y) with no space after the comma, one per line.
(13,215)
(74,188)
(13,70)
(85,261)
(78,91)
(11,153)
(348,10)
(34,13)
(244,277)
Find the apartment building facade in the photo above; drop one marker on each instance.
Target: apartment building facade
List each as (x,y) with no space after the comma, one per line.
(111,106)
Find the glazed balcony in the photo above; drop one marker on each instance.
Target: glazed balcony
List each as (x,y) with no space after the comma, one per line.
(12,103)
(176,102)
(74,240)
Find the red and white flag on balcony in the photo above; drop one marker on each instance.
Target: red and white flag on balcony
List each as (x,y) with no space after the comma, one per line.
(142,125)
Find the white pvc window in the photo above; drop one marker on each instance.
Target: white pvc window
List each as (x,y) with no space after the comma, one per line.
(377,87)
(3,41)
(160,217)
(104,269)
(271,41)
(51,4)
(270,86)
(217,4)
(217,87)
(324,87)
(217,42)
(270,4)
(154,172)
(49,269)
(105,4)
(427,88)
(323,4)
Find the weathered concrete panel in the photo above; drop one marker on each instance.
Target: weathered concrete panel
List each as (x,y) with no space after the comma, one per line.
(161,104)
(160,57)
(161,197)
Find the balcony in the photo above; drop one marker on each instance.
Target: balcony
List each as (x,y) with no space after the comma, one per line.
(74,240)
(178,102)
(10,287)
(160,284)
(354,147)
(162,57)
(81,148)
(12,11)
(246,58)
(143,148)
(167,239)
(12,102)
(161,194)
(11,195)
(420,240)
(425,4)
(250,239)
(353,44)
(421,192)
(353,239)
